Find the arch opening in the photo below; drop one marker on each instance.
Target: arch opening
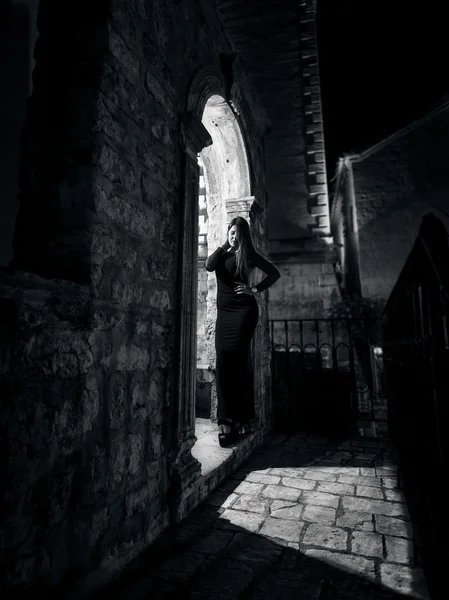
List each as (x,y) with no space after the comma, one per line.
(224,176)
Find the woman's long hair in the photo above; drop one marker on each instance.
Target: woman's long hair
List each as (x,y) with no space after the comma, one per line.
(246,247)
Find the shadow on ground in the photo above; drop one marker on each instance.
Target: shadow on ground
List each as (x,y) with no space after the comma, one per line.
(219,553)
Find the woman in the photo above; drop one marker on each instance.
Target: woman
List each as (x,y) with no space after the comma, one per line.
(237,316)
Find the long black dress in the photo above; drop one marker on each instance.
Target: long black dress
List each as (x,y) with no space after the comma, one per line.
(237,317)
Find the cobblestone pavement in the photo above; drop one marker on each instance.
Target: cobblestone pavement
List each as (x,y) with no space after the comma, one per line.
(302,519)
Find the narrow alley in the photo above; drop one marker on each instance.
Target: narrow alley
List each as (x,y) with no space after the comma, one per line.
(304,517)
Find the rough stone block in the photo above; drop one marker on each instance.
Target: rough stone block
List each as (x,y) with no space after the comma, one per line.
(390,483)
(249,488)
(404,580)
(251,504)
(286,510)
(117,169)
(320,499)
(318,475)
(299,483)
(336,488)
(262,478)
(137,501)
(242,520)
(357,520)
(280,492)
(369,491)
(127,60)
(319,514)
(399,550)
(326,537)
(138,220)
(368,544)
(359,480)
(377,507)
(317,188)
(286,472)
(283,529)
(318,210)
(393,527)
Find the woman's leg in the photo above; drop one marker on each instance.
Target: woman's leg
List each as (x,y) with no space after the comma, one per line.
(234,374)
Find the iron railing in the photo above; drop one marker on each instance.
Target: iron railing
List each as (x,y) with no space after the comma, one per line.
(415,331)
(327,374)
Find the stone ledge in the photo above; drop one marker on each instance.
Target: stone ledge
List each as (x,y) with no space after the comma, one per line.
(217,463)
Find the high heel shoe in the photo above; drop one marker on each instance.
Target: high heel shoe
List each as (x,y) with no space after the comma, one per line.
(228,438)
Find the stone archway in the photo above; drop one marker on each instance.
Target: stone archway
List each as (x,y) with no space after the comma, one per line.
(212,141)
(225,188)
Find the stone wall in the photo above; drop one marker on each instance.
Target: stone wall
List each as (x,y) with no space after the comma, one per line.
(302,250)
(394,185)
(308,290)
(90,308)
(289,88)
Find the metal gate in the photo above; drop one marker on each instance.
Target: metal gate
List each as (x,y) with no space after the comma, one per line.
(328,376)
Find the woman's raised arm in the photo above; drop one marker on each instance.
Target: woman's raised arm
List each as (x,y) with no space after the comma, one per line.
(272,274)
(212,260)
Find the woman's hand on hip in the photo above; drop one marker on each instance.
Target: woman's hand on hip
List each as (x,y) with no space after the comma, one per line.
(241,288)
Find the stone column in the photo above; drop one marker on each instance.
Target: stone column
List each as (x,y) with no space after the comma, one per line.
(185,469)
(250,209)
(240,207)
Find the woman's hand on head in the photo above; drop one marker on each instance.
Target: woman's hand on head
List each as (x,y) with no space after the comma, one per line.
(241,288)
(226,245)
